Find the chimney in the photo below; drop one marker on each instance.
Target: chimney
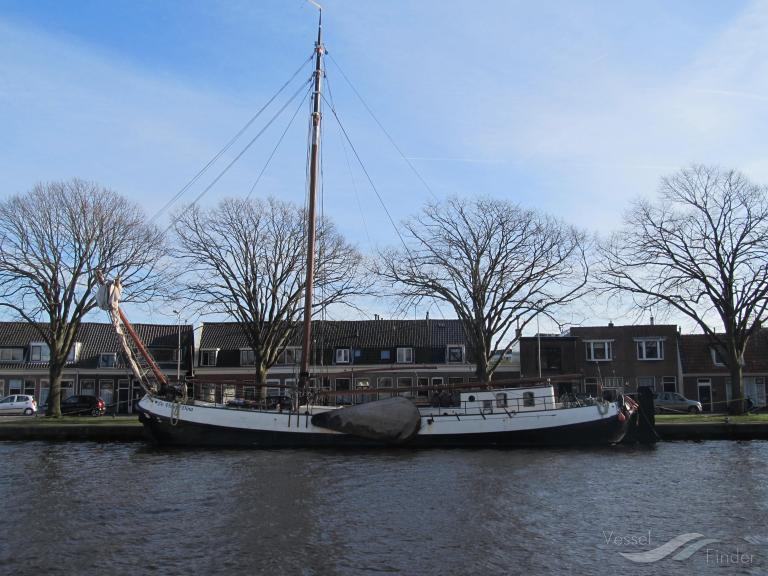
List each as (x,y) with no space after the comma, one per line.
(610,324)
(651,320)
(427,314)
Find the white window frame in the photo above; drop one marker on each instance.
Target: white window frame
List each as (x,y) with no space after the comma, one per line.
(642,350)
(405,355)
(667,380)
(647,381)
(448,354)
(608,346)
(343,355)
(102,355)
(613,382)
(214,352)
(41,357)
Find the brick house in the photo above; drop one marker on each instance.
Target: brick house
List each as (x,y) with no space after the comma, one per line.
(707,379)
(95,365)
(614,358)
(355,354)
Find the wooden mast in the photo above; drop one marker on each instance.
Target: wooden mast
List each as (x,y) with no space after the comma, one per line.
(314,154)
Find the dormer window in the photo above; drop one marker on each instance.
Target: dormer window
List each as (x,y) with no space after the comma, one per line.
(74,353)
(455,354)
(342,355)
(717,357)
(11,354)
(107,360)
(405,355)
(208,357)
(39,352)
(290,356)
(247,358)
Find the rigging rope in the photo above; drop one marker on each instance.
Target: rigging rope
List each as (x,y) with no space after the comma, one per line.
(386,133)
(368,176)
(274,150)
(245,149)
(228,145)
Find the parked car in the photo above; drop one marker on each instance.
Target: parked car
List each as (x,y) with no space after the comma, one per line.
(83,405)
(674,402)
(18,404)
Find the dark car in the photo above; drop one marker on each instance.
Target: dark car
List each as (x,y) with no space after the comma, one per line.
(83,406)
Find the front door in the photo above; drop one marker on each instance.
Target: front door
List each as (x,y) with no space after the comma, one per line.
(705,394)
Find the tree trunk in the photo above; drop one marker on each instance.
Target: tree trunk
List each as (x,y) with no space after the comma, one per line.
(54,392)
(261,378)
(737,404)
(481,370)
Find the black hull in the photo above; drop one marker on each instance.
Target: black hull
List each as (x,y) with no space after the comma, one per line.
(603,432)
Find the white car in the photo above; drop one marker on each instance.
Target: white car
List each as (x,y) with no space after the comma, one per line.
(18,404)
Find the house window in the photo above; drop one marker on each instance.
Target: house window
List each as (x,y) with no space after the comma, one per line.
(342,356)
(385,354)
(717,357)
(599,350)
(385,382)
(74,353)
(647,382)
(405,355)
(551,358)
(343,384)
(650,349)
(88,387)
(407,384)
(454,380)
(11,355)
(208,357)
(590,387)
(669,383)
(39,352)
(423,384)
(15,385)
(289,357)
(164,354)
(455,354)
(107,360)
(247,358)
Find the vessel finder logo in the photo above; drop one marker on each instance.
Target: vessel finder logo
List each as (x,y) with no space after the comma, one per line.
(687,544)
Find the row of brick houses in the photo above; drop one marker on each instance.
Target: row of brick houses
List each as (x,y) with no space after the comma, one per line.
(415,356)
(95,364)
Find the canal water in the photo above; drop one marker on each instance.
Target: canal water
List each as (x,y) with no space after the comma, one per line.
(88,508)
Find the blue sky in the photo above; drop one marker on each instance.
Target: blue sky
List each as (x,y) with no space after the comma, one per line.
(572,107)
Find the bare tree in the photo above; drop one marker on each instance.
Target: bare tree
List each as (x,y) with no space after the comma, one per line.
(52,240)
(701,250)
(246,259)
(496,264)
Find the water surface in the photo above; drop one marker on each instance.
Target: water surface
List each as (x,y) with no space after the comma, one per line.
(88,508)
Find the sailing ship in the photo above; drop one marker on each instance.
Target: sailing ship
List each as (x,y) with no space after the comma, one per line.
(505,416)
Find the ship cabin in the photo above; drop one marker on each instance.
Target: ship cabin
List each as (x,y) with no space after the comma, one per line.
(509,400)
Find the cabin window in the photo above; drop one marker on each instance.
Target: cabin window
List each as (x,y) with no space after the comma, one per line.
(39,352)
(599,350)
(487,405)
(208,357)
(107,360)
(405,355)
(501,400)
(528,399)
(650,349)
(455,354)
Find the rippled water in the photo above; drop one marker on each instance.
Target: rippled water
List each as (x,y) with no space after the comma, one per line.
(87,508)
